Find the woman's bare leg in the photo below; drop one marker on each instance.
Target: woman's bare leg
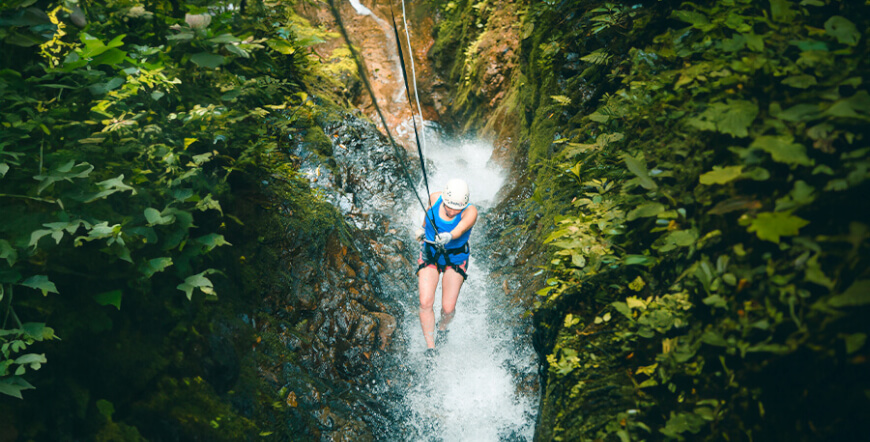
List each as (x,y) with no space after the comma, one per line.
(427,282)
(451,282)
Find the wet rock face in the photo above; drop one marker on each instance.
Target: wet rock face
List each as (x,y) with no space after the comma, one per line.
(334,319)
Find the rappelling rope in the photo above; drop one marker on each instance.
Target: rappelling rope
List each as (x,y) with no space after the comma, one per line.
(408,91)
(414,78)
(400,153)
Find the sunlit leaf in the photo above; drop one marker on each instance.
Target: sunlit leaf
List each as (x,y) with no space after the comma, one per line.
(645,210)
(770,226)
(721,175)
(197,281)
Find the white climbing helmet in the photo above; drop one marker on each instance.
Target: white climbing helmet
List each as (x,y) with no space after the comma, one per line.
(455,195)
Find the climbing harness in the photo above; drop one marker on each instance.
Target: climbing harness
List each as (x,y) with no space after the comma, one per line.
(440,251)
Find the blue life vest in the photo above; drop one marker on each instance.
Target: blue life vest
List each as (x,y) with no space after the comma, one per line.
(457,247)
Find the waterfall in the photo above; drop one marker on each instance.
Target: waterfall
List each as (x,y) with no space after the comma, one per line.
(470,390)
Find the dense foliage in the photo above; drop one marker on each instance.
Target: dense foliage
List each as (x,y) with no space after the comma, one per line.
(128,130)
(699,173)
(120,128)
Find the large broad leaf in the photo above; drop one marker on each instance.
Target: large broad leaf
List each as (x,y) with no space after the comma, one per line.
(843,30)
(783,149)
(150,267)
(856,106)
(41,283)
(64,172)
(281,46)
(13,385)
(154,217)
(645,210)
(8,252)
(857,294)
(637,168)
(109,187)
(732,118)
(207,60)
(770,226)
(678,238)
(721,175)
(211,241)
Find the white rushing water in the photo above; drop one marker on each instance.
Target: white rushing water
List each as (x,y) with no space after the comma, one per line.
(468,391)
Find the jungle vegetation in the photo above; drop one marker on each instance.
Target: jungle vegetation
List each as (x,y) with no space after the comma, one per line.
(133,138)
(698,173)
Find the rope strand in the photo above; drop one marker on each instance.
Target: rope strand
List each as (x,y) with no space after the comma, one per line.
(400,153)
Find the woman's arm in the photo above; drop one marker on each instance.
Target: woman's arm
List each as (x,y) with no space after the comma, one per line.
(469,217)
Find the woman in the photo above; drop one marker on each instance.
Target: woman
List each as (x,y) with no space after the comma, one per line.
(445,250)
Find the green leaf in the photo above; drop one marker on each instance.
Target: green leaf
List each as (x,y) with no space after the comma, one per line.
(561,99)
(281,46)
(38,331)
(780,11)
(106,408)
(14,385)
(696,19)
(732,118)
(197,281)
(721,175)
(843,30)
(41,283)
(156,218)
(637,168)
(110,298)
(856,295)
(3,169)
(799,112)
(150,267)
(770,226)
(8,252)
(223,38)
(851,107)
(800,81)
(207,60)
(854,342)
(32,359)
(783,149)
(641,260)
(109,187)
(213,240)
(678,238)
(645,210)
(65,172)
